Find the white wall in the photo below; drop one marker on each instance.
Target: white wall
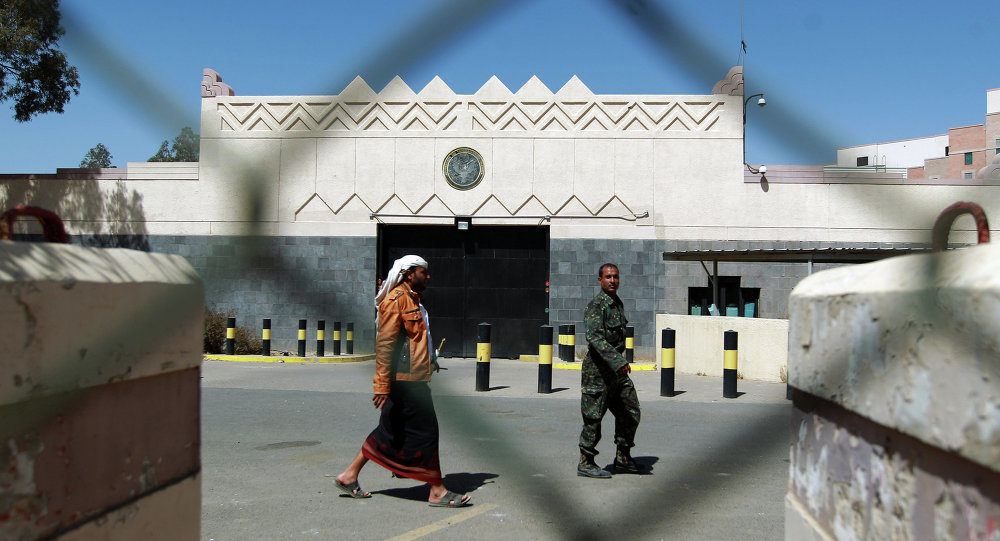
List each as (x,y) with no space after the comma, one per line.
(905,153)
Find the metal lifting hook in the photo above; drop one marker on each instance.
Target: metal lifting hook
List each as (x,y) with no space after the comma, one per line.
(52,226)
(942,226)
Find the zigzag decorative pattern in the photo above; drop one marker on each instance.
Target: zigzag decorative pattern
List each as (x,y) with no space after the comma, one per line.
(490,205)
(494,108)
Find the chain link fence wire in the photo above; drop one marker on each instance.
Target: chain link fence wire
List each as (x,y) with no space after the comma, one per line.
(668,37)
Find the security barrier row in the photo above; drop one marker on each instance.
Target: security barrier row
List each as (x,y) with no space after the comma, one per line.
(348,337)
(667,359)
(484,347)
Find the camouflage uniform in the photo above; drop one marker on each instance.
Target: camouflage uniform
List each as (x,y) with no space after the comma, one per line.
(603,387)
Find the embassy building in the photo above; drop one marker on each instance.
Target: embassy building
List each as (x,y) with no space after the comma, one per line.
(299,205)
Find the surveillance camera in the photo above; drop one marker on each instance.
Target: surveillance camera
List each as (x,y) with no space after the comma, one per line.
(762,169)
(761,102)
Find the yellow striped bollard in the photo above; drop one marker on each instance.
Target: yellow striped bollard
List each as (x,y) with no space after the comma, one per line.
(667,337)
(729,364)
(350,339)
(265,338)
(336,338)
(230,335)
(567,343)
(302,338)
(545,359)
(483,358)
(320,337)
(629,343)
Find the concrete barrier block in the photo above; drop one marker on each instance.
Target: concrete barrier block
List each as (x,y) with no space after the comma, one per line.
(99,393)
(911,343)
(76,317)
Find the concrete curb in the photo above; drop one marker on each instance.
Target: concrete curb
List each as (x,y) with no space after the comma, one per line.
(290,359)
(371,356)
(577,365)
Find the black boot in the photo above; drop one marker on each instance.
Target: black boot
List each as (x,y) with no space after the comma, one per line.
(587,468)
(624,463)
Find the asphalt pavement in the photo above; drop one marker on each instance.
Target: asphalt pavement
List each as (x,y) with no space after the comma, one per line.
(275,435)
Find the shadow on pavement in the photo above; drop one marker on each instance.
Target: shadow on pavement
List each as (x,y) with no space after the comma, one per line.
(462,483)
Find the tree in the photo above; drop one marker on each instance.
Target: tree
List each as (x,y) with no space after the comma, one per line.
(184,148)
(99,156)
(33,72)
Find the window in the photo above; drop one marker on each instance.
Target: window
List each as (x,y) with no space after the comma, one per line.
(946,150)
(862,161)
(997,144)
(967,174)
(968,158)
(734,301)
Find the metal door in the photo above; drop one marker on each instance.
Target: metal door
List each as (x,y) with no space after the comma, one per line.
(491,274)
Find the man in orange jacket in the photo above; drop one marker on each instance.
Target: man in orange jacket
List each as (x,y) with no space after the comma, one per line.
(406,439)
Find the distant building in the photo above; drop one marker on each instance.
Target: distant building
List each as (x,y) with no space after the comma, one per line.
(959,154)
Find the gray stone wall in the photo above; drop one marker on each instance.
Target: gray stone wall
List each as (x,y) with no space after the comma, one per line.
(285,279)
(573,266)
(333,278)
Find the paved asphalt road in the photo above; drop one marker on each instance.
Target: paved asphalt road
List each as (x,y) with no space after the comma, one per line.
(274,435)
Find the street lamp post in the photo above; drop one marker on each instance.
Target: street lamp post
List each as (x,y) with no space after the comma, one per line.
(760,103)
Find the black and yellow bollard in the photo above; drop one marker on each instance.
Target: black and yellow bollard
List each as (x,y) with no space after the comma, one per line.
(230,335)
(336,338)
(545,359)
(629,343)
(483,358)
(349,341)
(320,337)
(567,343)
(729,364)
(265,338)
(667,337)
(302,338)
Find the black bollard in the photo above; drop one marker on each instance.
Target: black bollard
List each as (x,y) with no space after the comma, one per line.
(562,343)
(302,338)
(629,343)
(350,339)
(265,338)
(545,359)
(336,338)
(667,337)
(729,364)
(230,335)
(483,358)
(320,337)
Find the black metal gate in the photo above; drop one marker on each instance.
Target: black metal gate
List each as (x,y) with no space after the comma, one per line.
(492,274)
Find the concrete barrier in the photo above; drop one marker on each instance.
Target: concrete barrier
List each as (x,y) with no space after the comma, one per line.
(99,393)
(894,368)
(763,352)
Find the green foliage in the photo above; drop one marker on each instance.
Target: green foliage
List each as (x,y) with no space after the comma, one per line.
(99,156)
(215,335)
(184,148)
(33,72)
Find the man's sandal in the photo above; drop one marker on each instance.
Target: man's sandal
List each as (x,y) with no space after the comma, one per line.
(352,489)
(451,499)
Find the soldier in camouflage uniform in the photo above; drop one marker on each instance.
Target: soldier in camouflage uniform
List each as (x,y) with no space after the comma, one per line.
(605,380)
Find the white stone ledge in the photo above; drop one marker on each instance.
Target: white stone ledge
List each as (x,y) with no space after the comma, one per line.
(911,342)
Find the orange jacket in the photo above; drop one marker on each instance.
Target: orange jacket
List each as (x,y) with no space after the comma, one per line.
(401,349)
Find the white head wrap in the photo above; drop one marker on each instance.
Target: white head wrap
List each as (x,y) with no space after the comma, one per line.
(395,276)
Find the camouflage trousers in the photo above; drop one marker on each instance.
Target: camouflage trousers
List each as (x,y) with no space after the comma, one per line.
(621,399)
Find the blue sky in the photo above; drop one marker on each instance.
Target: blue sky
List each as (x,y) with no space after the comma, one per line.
(835,74)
